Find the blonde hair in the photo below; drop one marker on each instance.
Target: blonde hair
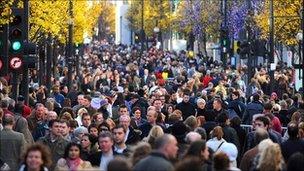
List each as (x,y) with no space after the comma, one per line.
(191,122)
(82,111)
(155,132)
(271,158)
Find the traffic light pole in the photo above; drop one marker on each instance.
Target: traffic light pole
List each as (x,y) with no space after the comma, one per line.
(25,75)
(271,45)
(302,25)
(70,46)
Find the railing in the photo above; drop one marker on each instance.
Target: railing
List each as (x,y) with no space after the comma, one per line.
(248,128)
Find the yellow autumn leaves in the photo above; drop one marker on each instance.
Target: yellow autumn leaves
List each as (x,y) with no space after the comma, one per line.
(51,17)
(286,21)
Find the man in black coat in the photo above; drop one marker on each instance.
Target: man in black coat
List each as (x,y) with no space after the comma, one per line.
(293,144)
(185,106)
(102,158)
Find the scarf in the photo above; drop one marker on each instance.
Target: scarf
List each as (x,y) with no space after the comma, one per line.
(73,164)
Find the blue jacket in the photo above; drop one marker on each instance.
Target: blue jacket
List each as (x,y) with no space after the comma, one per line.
(252,109)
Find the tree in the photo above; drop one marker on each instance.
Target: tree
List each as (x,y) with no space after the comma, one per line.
(5,11)
(286,22)
(157,13)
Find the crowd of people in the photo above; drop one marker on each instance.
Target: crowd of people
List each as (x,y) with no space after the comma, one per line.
(153,111)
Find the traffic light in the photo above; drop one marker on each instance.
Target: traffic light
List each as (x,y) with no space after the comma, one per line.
(16,39)
(243,48)
(137,38)
(225,41)
(3,50)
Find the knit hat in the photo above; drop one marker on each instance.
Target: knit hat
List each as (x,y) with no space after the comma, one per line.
(95,103)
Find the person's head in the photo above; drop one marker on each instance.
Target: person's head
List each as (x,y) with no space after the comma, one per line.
(80,99)
(202,132)
(201,103)
(118,164)
(119,133)
(293,130)
(152,116)
(85,141)
(198,149)
(271,158)
(66,116)
(217,132)
(8,120)
(283,105)
(72,151)
(222,119)
(137,112)
(51,115)
(157,103)
(217,104)
(167,144)
(37,156)
(80,131)
(189,164)
(260,135)
(125,121)
(93,130)
(39,111)
(98,118)
(73,125)
(221,161)
(105,141)
(86,119)
(192,136)
(295,162)
(123,110)
(86,101)
(267,107)
(191,122)
(235,95)
(155,132)
(55,127)
(261,122)
(64,127)
(186,95)
(141,150)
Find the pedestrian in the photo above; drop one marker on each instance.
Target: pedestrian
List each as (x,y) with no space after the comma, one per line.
(72,160)
(36,157)
(12,143)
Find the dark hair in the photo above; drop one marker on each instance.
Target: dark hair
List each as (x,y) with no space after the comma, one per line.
(187,92)
(103,124)
(8,119)
(135,109)
(222,118)
(88,97)
(256,97)
(295,162)
(218,100)
(84,115)
(221,161)
(263,119)
(259,135)
(236,93)
(118,127)
(69,146)
(93,125)
(292,130)
(73,123)
(122,106)
(44,150)
(189,164)
(267,106)
(235,121)
(195,149)
(118,164)
(51,122)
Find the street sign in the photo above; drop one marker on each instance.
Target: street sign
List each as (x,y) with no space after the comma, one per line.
(15,63)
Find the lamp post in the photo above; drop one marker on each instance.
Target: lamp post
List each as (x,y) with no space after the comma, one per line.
(302,25)
(156,31)
(142,33)
(271,45)
(70,45)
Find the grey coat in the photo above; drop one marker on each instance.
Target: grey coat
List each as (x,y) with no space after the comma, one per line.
(21,126)
(11,147)
(154,162)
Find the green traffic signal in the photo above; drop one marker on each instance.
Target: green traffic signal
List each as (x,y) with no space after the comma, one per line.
(16,45)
